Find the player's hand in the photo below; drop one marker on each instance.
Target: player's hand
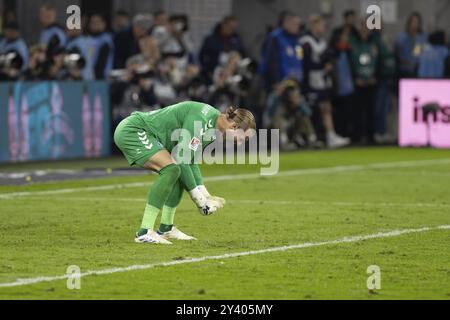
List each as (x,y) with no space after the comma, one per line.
(204,191)
(204,203)
(218,199)
(210,207)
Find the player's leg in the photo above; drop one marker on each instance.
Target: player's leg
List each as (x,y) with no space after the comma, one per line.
(166,228)
(333,139)
(143,149)
(159,192)
(169,208)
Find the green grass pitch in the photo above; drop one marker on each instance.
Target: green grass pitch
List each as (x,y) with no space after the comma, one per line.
(42,234)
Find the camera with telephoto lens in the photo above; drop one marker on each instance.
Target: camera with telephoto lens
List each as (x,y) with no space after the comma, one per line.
(74,60)
(142,72)
(245,72)
(10,60)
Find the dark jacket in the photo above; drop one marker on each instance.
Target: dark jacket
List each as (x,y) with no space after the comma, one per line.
(125,46)
(214,45)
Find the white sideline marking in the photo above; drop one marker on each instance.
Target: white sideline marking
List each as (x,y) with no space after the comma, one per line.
(393,233)
(384,165)
(276,202)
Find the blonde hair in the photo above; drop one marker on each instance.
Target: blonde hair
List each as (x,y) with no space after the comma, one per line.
(313,20)
(243,118)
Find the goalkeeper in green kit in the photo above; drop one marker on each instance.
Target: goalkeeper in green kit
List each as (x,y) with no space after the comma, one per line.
(166,141)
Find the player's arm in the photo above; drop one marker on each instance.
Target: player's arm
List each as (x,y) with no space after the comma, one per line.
(201,185)
(188,146)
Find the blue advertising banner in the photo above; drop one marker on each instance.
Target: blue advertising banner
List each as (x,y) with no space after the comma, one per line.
(54,120)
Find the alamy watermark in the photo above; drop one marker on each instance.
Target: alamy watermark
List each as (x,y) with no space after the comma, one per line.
(73,277)
(233,147)
(373,21)
(374,280)
(74,19)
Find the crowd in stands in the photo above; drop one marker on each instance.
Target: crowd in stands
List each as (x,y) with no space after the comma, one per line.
(317,90)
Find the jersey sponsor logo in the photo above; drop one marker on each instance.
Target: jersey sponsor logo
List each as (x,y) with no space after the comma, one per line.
(195,142)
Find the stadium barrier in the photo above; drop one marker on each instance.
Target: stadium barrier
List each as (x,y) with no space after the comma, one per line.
(424,118)
(54,120)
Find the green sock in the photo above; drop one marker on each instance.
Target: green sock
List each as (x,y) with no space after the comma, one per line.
(167,217)
(148,221)
(158,194)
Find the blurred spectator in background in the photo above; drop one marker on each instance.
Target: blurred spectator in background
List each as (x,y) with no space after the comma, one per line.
(176,41)
(289,111)
(133,89)
(77,43)
(65,66)
(160,24)
(13,53)
(348,27)
(55,69)
(281,18)
(102,47)
(234,82)
(121,21)
(1,25)
(160,18)
(433,62)
(409,45)
(364,62)
(385,74)
(283,56)
(317,70)
(37,64)
(53,35)
(225,89)
(73,65)
(149,49)
(223,39)
(127,42)
(344,87)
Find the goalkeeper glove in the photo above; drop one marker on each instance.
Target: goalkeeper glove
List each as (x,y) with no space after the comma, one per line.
(205,205)
(206,193)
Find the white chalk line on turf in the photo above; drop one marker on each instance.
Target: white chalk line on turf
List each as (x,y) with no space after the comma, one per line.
(311,171)
(265,202)
(388,234)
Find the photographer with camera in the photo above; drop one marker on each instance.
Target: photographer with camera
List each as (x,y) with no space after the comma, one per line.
(232,79)
(65,65)
(288,110)
(77,43)
(73,66)
(133,88)
(13,53)
(37,64)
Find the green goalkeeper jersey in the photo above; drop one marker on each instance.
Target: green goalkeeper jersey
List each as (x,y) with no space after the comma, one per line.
(181,129)
(194,117)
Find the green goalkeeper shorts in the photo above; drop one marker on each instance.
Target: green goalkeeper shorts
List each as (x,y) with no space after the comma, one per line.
(136,143)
